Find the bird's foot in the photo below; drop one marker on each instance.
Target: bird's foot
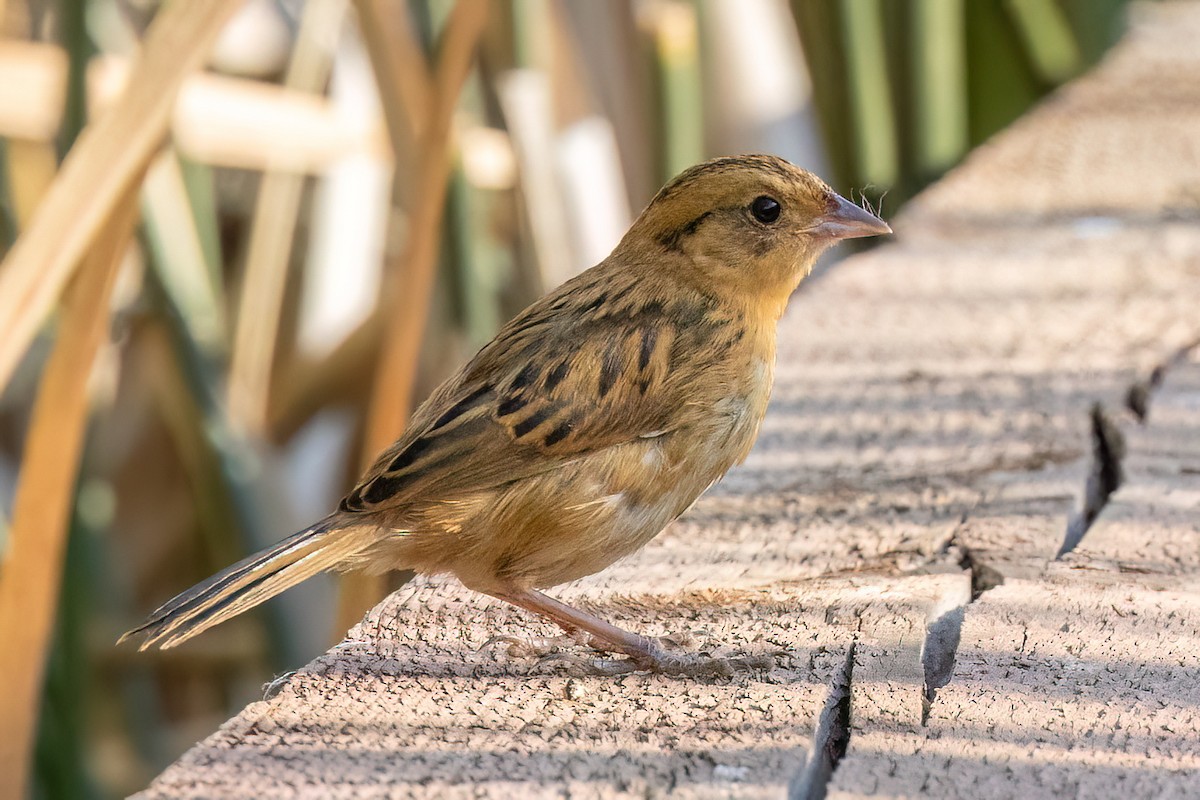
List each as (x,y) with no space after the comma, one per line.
(665,661)
(665,655)
(686,664)
(537,646)
(275,686)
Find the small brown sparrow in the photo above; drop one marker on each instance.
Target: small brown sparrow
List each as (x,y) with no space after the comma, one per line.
(590,422)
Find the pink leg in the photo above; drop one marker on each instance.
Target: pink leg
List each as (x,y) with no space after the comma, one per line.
(645,653)
(603,635)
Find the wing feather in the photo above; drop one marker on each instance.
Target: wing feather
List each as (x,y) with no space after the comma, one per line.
(553,386)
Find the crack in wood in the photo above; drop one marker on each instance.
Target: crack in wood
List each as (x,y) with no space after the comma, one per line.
(1106,473)
(831,739)
(942,636)
(1105,476)
(944,630)
(1141,393)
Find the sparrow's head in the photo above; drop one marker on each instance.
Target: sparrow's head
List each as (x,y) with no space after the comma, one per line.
(754,224)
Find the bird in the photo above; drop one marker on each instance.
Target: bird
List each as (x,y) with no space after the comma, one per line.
(592,420)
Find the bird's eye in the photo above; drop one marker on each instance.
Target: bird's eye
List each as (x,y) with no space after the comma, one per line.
(765,209)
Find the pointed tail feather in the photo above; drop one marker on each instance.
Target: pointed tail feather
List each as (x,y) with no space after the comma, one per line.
(248,583)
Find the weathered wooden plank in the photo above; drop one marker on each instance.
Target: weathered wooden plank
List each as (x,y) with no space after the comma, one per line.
(930,435)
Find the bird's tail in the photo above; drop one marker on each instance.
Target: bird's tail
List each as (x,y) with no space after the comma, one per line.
(248,583)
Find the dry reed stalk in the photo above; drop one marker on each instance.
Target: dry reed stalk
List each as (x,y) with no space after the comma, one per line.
(400,70)
(260,305)
(216,120)
(527,105)
(30,581)
(335,379)
(108,157)
(410,279)
(176,243)
(33,89)
(31,168)
(231,122)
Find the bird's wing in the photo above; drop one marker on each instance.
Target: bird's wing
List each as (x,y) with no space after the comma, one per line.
(555,384)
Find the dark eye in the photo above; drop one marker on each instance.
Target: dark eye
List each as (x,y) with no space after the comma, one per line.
(765,209)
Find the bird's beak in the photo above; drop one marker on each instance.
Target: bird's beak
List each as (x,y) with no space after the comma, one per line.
(848,221)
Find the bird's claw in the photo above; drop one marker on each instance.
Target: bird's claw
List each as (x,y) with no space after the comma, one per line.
(697,665)
(540,647)
(681,665)
(275,685)
(662,661)
(665,655)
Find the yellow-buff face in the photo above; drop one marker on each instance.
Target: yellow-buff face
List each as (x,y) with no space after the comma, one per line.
(750,224)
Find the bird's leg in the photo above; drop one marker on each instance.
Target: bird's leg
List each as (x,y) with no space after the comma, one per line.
(644,653)
(601,635)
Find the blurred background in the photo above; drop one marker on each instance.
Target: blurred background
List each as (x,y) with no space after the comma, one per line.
(353,197)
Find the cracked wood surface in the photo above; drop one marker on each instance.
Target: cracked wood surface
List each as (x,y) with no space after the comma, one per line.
(897,525)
